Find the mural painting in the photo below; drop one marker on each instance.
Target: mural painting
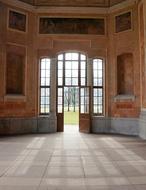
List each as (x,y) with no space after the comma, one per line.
(72,26)
(17,21)
(123,22)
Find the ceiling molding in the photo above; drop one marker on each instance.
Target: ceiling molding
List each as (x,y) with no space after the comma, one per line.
(75,3)
(122,5)
(71,10)
(18,4)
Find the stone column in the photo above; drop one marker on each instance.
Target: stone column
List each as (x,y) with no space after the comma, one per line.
(53,118)
(89,72)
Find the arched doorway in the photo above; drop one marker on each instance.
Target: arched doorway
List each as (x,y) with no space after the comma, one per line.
(72,90)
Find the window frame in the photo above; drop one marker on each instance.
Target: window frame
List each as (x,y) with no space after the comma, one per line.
(79,60)
(63,60)
(44,87)
(98,87)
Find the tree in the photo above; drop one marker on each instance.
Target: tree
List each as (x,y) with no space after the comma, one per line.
(67,95)
(74,98)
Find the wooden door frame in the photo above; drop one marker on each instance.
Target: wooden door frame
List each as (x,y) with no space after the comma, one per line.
(63,86)
(85,114)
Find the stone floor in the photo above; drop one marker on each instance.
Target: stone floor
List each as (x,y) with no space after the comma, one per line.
(72,161)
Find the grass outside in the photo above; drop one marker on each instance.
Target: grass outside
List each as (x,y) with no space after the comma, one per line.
(71,118)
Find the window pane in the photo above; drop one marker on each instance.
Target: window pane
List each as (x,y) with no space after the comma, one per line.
(68,81)
(83,57)
(68,64)
(99,64)
(59,108)
(47,91)
(42,100)
(99,73)
(42,81)
(83,65)
(60,73)
(43,92)
(99,82)
(75,65)
(83,73)
(47,109)
(60,65)
(45,83)
(95,82)
(75,81)
(75,56)
(87,92)
(60,100)
(43,73)
(47,100)
(95,73)
(59,91)
(60,57)
(82,109)
(43,65)
(86,108)
(99,100)
(94,66)
(95,99)
(48,65)
(83,81)
(95,109)
(99,92)
(99,109)
(68,73)
(75,73)
(82,92)
(42,110)
(82,100)
(98,86)
(68,56)
(60,81)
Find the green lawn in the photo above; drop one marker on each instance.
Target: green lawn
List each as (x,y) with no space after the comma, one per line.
(71,118)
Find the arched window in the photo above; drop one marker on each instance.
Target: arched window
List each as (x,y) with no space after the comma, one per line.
(98,86)
(72,69)
(44,86)
(71,72)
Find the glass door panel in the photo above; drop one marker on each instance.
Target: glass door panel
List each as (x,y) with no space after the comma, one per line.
(84,116)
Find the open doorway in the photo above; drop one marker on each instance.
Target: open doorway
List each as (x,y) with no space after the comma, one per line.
(71,109)
(72,93)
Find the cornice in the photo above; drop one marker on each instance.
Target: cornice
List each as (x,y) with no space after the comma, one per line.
(122,5)
(19,4)
(70,10)
(78,10)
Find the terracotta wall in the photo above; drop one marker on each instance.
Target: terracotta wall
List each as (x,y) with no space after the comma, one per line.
(24,105)
(121,43)
(109,47)
(142,38)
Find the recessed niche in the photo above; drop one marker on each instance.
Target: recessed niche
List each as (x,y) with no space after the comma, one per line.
(15,70)
(125,74)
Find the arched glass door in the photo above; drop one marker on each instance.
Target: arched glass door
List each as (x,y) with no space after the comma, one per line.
(72,76)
